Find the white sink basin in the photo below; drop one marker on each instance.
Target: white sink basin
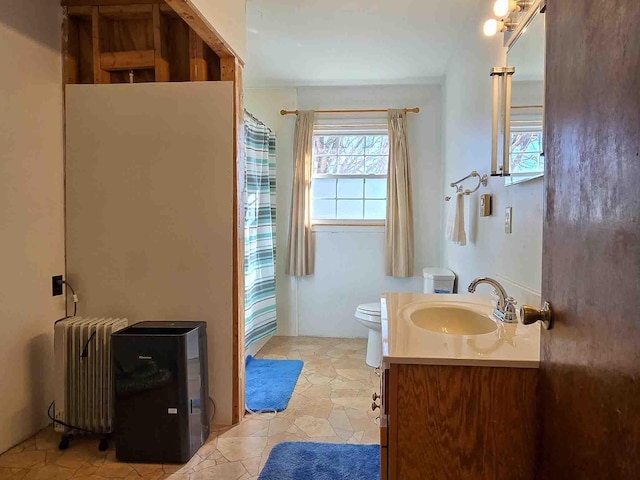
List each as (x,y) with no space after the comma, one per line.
(452,320)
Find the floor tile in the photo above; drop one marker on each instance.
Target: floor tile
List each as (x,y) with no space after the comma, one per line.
(331,403)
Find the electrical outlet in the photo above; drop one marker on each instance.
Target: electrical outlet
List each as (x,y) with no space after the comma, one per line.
(508,218)
(56,285)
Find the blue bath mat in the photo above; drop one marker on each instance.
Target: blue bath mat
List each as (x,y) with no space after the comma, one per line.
(269,384)
(322,461)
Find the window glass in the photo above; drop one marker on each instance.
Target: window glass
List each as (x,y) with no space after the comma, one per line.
(349,178)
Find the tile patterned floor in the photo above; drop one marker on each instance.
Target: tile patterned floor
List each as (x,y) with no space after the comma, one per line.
(331,403)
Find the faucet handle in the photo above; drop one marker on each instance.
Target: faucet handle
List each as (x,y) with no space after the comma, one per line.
(510,310)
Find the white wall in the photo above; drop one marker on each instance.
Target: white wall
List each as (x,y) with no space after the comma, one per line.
(150,209)
(228,18)
(515,259)
(31,211)
(349,261)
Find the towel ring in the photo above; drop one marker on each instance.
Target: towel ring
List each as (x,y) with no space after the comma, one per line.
(482,181)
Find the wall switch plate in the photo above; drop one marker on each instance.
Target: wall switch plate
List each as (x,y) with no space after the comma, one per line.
(508,219)
(56,285)
(485,205)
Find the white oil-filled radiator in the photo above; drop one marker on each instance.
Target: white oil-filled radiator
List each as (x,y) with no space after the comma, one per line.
(82,350)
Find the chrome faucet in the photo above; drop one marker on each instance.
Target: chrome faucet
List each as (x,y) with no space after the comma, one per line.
(505,309)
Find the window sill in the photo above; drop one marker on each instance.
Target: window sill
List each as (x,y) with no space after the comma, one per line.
(349,226)
(347,223)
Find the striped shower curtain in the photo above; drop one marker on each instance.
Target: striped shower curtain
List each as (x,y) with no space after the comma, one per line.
(259,231)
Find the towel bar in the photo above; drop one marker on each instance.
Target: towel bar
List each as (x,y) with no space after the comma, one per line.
(481,181)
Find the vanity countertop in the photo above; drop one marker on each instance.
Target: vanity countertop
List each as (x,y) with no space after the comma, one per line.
(510,345)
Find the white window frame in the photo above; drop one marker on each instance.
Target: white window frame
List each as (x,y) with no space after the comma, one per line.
(354,127)
(525,124)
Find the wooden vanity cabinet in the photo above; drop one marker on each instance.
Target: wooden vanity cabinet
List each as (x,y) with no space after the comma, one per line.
(457,422)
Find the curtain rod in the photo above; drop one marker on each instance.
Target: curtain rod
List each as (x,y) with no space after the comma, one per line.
(295,112)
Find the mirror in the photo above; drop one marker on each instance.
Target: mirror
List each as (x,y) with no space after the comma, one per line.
(526,55)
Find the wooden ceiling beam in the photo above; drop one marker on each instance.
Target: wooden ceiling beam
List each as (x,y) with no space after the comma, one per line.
(140,59)
(106,3)
(126,12)
(85,11)
(202,27)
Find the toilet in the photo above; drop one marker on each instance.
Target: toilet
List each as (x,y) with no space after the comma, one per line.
(436,280)
(368,314)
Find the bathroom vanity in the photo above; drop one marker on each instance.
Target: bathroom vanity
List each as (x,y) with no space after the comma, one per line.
(457,390)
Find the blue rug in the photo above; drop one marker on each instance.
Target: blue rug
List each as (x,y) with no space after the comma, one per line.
(269,384)
(322,461)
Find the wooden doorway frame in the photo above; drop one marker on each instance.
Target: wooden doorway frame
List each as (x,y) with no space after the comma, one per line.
(231,67)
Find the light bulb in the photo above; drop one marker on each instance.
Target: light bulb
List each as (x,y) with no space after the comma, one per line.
(490,27)
(501,8)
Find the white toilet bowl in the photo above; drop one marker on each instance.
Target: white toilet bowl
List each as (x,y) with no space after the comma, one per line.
(368,314)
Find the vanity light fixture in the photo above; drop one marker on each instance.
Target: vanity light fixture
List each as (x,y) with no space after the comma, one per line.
(507,14)
(503,8)
(493,26)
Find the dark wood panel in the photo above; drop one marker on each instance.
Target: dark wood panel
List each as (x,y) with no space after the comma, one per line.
(97,40)
(591,256)
(85,66)
(160,45)
(199,71)
(465,423)
(178,51)
(127,35)
(71,50)
(213,64)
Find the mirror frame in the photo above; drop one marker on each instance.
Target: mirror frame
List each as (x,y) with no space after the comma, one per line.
(537,8)
(502,96)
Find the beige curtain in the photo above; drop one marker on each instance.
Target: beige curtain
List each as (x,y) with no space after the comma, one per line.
(300,261)
(399,244)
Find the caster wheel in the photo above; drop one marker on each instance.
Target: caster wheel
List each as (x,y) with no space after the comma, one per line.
(103,445)
(64,443)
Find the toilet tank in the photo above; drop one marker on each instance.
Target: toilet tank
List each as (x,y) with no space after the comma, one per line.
(438,280)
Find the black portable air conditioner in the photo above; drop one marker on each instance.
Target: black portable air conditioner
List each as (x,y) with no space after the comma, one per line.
(161,391)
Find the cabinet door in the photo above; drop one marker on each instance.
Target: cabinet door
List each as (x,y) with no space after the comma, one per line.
(384,379)
(384,433)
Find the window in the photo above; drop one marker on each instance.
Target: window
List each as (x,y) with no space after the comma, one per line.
(349,181)
(526,157)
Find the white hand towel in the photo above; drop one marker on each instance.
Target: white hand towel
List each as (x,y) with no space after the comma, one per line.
(455,221)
